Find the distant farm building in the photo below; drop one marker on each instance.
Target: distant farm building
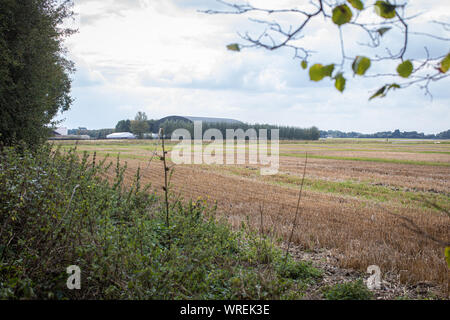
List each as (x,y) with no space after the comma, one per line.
(63,134)
(63,131)
(121,135)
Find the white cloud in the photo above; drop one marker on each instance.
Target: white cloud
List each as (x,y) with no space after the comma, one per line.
(164,57)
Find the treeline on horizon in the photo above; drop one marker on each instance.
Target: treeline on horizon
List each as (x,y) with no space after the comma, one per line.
(385,135)
(169,126)
(285,132)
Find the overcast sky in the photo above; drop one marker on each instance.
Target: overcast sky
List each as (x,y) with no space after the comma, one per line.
(164,57)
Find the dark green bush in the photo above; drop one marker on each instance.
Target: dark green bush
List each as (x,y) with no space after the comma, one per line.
(298,270)
(59,210)
(355,290)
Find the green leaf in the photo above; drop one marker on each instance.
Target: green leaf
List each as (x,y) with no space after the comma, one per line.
(384,90)
(360,65)
(340,82)
(233,47)
(380,92)
(382,31)
(304,64)
(394,86)
(445,64)
(447,256)
(328,70)
(316,72)
(405,69)
(385,9)
(357,4)
(342,15)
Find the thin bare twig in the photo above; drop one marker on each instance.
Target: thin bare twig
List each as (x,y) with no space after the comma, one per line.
(294,225)
(275,35)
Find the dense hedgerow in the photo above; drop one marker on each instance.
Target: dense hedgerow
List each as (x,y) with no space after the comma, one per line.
(58,210)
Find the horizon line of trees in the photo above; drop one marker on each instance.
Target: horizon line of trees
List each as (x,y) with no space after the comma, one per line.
(144,127)
(385,135)
(285,132)
(141,126)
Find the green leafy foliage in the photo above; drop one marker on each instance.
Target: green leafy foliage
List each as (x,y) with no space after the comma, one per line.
(394,86)
(447,256)
(357,4)
(445,64)
(34,75)
(298,270)
(385,9)
(405,69)
(140,124)
(340,82)
(355,290)
(233,47)
(304,64)
(58,210)
(328,70)
(342,15)
(380,93)
(361,65)
(285,132)
(317,72)
(123,126)
(348,12)
(384,90)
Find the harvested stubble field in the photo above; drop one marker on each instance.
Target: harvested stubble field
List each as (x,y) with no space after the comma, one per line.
(367,201)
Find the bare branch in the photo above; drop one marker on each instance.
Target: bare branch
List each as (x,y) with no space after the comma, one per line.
(276,36)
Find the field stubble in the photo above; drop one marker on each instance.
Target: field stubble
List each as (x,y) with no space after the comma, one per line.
(406,239)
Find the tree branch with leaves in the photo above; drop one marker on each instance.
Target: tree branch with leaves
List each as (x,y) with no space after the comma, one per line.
(376,19)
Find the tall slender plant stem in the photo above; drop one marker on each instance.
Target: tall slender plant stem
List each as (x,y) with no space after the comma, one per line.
(297,210)
(166,169)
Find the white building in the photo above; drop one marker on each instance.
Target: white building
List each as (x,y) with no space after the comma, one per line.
(62,131)
(121,135)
